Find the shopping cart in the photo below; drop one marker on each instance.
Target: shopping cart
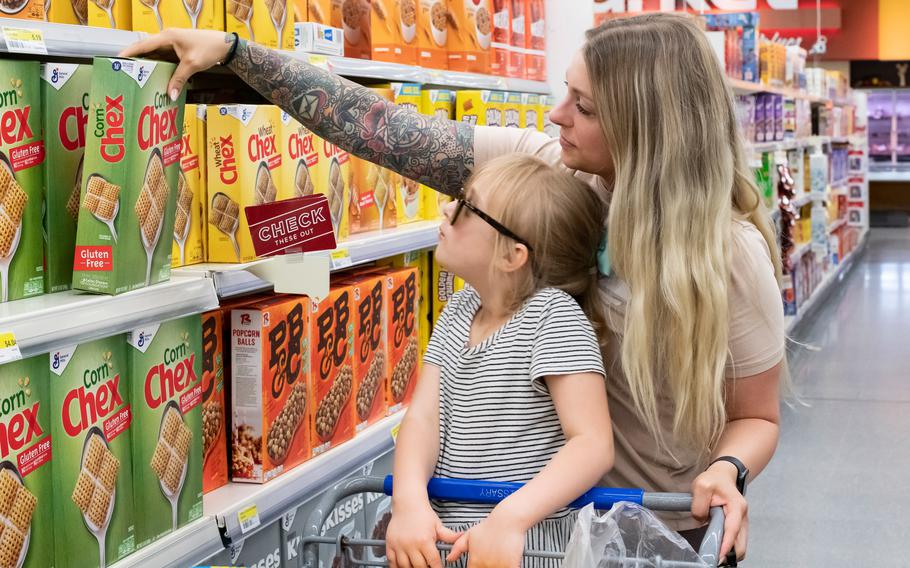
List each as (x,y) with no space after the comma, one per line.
(491,492)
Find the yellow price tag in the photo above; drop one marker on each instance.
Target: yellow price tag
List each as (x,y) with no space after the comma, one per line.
(9,348)
(341,258)
(320,61)
(24,40)
(249,519)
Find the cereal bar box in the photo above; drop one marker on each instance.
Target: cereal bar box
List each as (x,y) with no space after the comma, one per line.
(432,34)
(112,14)
(188,247)
(300,161)
(270,358)
(65,100)
(402,332)
(481,107)
(214,432)
(21,181)
(334,180)
(332,377)
(470,35)
(26,484)
(369,361)
(165,366)
(93,467)
(68,12)
(153,16)
(244,157)
(267,22)
(130,175)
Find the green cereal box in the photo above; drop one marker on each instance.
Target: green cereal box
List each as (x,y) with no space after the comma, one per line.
(93,467)
(129,183)
(21,181)
(64,99)
(165,365)
(26,490)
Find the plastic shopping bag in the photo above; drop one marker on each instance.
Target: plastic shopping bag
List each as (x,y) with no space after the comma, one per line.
(626,531)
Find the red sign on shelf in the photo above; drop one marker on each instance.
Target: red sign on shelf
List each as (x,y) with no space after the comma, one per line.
(301,224)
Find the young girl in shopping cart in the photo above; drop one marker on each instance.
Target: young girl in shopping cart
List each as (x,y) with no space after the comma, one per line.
(512,385)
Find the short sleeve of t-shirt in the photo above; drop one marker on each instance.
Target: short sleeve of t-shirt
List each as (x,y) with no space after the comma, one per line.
(438,347)
(564,342)
(756,310)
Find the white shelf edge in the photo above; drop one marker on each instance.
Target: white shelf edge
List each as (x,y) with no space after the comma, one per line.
(886,176)
(800,251)
(187,546)
(65,318)
(793,144)
(836,225)
(66,40)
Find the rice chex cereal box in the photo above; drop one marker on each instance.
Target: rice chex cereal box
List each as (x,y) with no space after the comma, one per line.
(129,182)
(93,468)
(166,370)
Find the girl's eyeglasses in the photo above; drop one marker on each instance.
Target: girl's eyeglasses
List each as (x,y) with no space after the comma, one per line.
(463,203)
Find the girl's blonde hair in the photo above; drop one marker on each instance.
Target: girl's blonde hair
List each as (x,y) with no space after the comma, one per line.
(561,218)
(680,178)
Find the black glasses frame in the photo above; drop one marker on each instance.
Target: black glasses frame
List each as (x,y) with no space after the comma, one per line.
(464,203)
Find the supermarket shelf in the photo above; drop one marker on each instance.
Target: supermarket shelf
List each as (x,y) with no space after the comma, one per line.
(741,87)
(763,147)
(800,251)
(65,318)
(189,546)
(807,198)
(888,176)
(836,275)
(836,225)
(65,40)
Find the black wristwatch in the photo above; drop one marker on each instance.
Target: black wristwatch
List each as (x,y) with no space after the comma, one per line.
(742,472)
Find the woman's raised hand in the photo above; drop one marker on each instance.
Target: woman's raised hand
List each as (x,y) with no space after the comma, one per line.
(197,50)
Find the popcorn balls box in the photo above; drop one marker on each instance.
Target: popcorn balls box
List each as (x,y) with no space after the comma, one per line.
(402,332)
(244,157)
(93,466)
(332,357)
(502,32)
(153,16)
(189,246)
(112,14)
(516,64)
(531,116)
(270,358)
(22,154)
(334,181)
(355,18)
(369,361)
(512,111)
(393,30)
(480,107)
(68,12)
(26,484)
(65,100)
(432,34)
(535,40)
(300,161)
(470,35)
(165,370)
(129,181)
(267,22)
(214,431)
(319,11)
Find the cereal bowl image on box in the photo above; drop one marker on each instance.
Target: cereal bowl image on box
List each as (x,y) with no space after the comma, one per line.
(12,200)
(102,200)
(17,504)
(439,23)
(150,207)
(483,25)
(171,455)
(408,13)
(96,487)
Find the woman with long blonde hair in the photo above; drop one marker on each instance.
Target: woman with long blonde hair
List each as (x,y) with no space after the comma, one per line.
(695,347)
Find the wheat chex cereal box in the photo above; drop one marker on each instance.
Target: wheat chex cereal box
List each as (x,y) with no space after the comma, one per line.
(432,34)
(202,129)
(270,357)
(244,157)
(267,22)
(481,107)
(129,181)
(22,154)
(402,333)
(369,364)
(189,246)
(214,430)
(65,101)
(153,16)
(331,361)
(334,181)
(470,35)
(165,369)
(91,423)
(112,14)
(26,483)
(300,161)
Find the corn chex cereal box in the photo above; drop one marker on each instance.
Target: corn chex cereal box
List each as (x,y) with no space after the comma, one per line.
(91,419)
(432,34)
(441,104)
(68,12)
(331,361)
(402,333)
(300,161)
(214,431)
(531,116)
(112,14)
(270,357)
(369,361)
(65,100)
(26,483)
(189,246)
(334,181)
(244,154)
(22,155)
(512,110)
(267,22)
(470,35)
(481,108)
(165,369)
(153,16)
(129,181)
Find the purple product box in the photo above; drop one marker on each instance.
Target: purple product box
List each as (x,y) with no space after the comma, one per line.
(769,117)
(778,117)
(760,118)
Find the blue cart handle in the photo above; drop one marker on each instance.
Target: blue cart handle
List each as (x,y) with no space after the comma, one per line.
(492,492)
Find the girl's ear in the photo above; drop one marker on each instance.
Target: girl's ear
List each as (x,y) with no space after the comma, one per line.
(516,258)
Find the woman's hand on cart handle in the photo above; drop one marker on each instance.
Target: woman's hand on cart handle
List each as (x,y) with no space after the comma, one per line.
(197,50)
(716,487)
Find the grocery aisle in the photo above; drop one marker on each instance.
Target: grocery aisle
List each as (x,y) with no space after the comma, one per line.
(836,494)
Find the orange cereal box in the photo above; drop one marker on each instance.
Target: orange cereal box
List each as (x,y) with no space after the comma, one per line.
(319,11)
(502,35)
(470,35)
(393,25)
(516,66)
(373,189)
(331,361)
(402,332)
(432,34)
(214,431)
(270,388)
(370,374)
(354,17)
(535,40)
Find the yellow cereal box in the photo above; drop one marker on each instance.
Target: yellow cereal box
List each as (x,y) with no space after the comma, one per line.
(333,180)
(188,225)
(244,157)
(470,35)
(441,104)
(443,284)
(373,196)
(153,16)
(481,108)
(512,110)
(319,11)
(531,116)
(432,34)
(112,14)
(67,12)
(301,159)
(201,114)
(267,22)
(546,104)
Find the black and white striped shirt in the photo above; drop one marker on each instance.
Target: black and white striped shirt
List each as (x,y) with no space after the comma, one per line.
(496,418)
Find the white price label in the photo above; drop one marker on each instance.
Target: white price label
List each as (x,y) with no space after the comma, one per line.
(341,258)
(9,349)
(249,519)
(24,40)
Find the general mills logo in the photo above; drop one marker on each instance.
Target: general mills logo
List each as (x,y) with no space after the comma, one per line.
(116,66)
(141,341)
(245,114)
(141,73)
(56,363)
(55,75)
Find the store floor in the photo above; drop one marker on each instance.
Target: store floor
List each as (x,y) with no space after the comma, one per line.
(837,492)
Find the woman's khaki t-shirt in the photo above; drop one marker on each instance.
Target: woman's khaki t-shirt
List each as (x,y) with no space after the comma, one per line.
(756,341)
